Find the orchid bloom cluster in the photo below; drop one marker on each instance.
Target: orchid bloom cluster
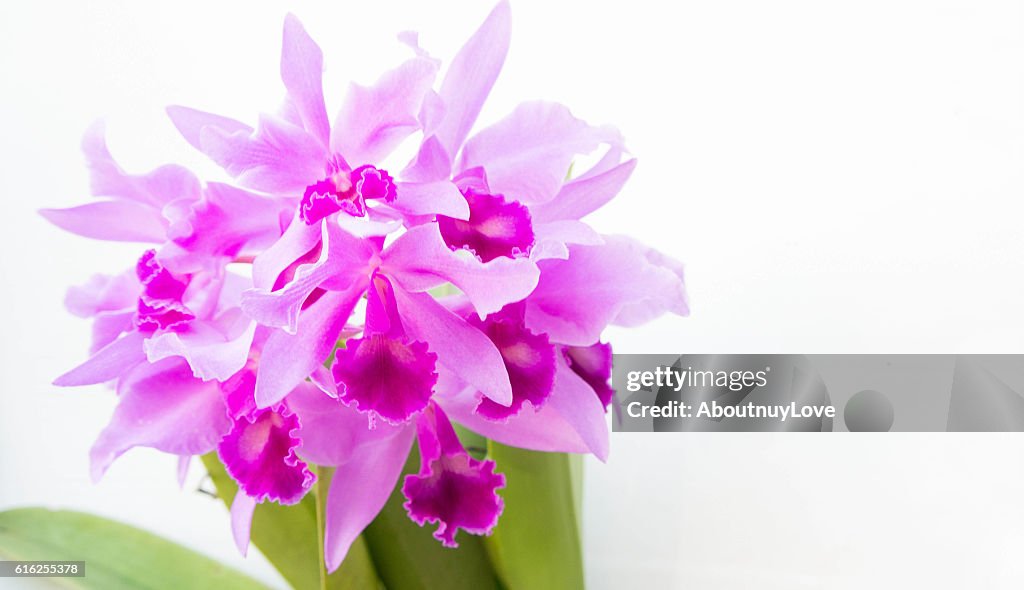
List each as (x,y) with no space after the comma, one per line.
(382,304)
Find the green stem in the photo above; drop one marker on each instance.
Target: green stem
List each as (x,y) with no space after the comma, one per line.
(318,491)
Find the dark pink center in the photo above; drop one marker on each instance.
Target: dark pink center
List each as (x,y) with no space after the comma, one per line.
(160,306)
(495,227)
(529,359)
(345,190)
(594,365)
(451,489)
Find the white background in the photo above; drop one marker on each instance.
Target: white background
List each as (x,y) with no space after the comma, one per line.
(838,177)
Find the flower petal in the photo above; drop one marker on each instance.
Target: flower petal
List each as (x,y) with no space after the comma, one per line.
(162,406)
(528,153)
(460,348)
(471,75)
(575,402)
(108,363)
(583,196)
(190,123)
(375,119)
(431,198)
(288,359)
(383,376)
(278,158)
(242,509)
(118,221)
(420,260)
(451,489)
(157,188)
(359,489)
(215,350)
(302,65)
(619,281)
(333,433)
(259,454)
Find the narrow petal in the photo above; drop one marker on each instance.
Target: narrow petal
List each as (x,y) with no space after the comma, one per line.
(288,359)
(375,119)
(581,197)
(553,238)
(431,164)
(108,363)
(527,154)
(226,223)
(544,430)
(460,348)
(342,265)
(359,490)
(298,239)
(158,187)
(215,350)
(420,260)
(183,464)
(190,123)
(575,402)
(619,281)
(242,509)
(471,75)
(103,293)
(333,433)
(162,406)
(302,65)
(431,198)
(118,221)
(279,158)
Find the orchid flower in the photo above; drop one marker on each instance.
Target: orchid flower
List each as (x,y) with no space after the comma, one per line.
(345,261)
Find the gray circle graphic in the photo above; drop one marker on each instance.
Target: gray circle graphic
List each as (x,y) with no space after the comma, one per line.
(868,411)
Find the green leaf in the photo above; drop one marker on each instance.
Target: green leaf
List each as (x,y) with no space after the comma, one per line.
(536,544)
(116,555)
(291,537)
(409,557)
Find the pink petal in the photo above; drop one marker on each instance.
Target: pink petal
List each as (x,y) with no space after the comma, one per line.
(529,359)
(527,154)
(471,75)
(583,196)
(259,454)
(431,198)
(385,377)
(302,65)
(451,489)
(460,348)
(157,188)
(226,223)
(575,402)
(215,350)
(420,260)
(288,359)
(119,221)
(242,509)
(333,433)
(103,293)
(577,298)
(359,490)
(190,123)
(342,265)
(110,362)
(162,406)
(375,119)
(431,164)
(297,240)
(279,158)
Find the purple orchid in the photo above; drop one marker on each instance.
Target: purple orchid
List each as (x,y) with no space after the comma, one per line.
(346,259)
